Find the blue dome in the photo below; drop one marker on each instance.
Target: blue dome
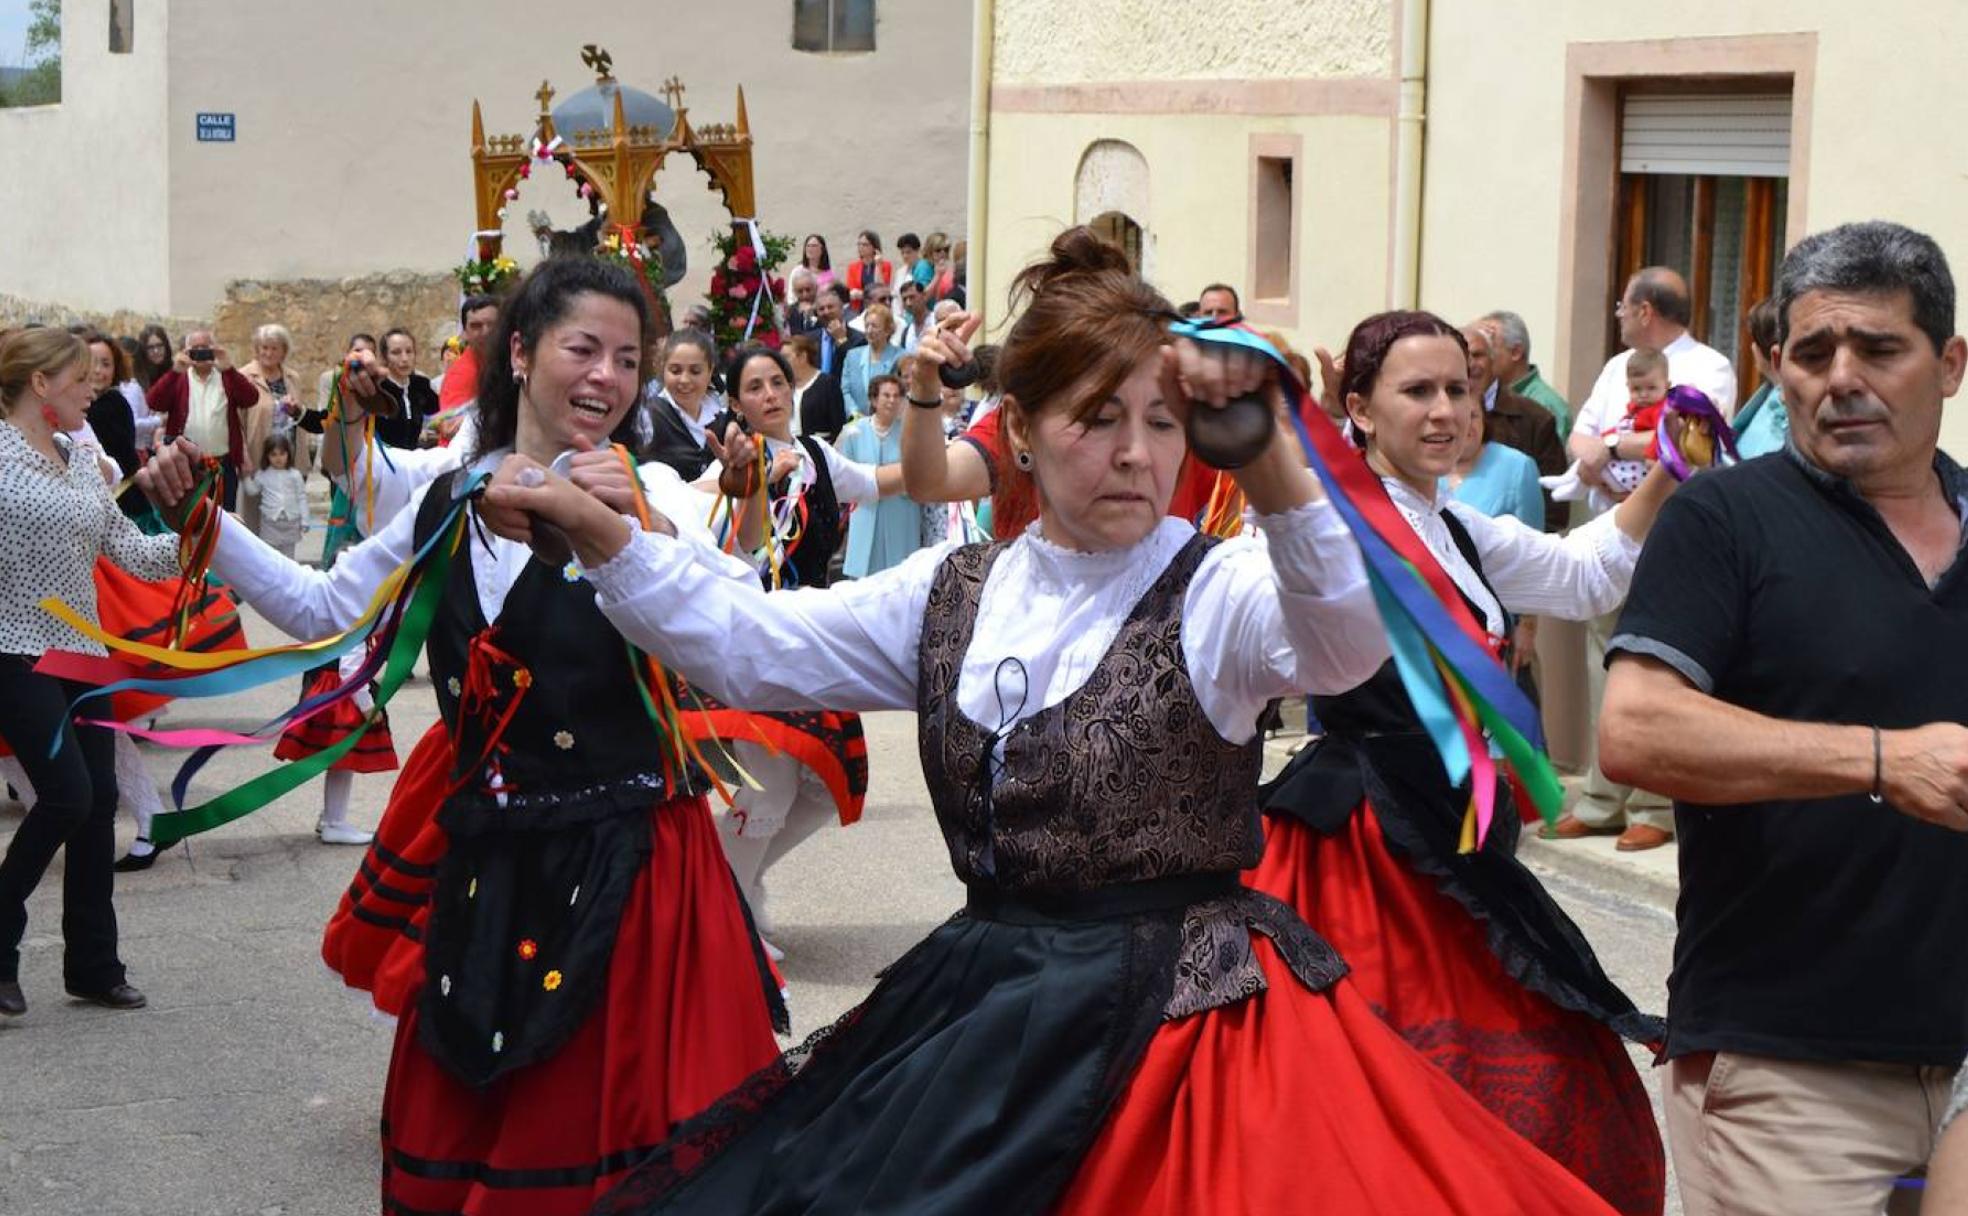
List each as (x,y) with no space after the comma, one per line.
(592,110)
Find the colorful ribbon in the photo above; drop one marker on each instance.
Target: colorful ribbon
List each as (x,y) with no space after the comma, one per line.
(1691,403)
(1459,689)
(395,649)
(394,625)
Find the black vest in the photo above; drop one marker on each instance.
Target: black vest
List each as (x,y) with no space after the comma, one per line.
(558,768)
(820,534)
(579,725)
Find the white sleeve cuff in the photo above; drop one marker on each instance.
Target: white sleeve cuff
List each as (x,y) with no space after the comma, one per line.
(1311,549)
(1617,551)
(638,563)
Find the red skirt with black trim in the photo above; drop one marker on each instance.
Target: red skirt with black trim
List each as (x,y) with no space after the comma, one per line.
(1560,1079)
(1295,1101)
(682,1021)
(375,752)
(828,743)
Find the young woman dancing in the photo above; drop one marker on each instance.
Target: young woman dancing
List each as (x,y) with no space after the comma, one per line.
(585,976)
(1465,954)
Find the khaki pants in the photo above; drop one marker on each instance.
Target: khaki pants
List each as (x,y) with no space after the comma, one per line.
(1603,803)
(1755,1136)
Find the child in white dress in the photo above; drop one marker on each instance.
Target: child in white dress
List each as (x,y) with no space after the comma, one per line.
(282,491)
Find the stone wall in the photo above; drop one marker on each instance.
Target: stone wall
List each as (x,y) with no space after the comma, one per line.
(320,313)
(15,311)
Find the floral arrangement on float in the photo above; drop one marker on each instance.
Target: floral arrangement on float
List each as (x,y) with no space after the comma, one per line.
(641,259)
(486,276)
(745,288)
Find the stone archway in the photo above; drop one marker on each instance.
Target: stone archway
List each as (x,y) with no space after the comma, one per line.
(1110,194)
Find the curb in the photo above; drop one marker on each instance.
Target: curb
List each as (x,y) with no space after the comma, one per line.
(1604,870)
(1650,878)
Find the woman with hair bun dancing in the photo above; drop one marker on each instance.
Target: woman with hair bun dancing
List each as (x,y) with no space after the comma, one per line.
(1114,1023)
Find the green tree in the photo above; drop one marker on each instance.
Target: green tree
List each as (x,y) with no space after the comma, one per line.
(41,84)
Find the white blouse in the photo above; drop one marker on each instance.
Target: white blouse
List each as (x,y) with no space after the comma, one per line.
(308,603)
(1574,577)
(55,519)
(1253,628)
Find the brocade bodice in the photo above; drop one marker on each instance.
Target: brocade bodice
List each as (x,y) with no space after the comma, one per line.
(1125,782)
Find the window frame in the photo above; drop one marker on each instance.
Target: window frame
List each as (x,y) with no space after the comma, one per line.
(1275,310)
(835,15)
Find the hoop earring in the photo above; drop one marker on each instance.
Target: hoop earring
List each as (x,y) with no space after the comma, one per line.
(1023,459)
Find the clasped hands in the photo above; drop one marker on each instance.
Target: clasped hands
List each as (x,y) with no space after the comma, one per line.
(581,512)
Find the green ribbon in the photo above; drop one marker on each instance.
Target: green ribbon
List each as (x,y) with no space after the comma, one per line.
(172,826)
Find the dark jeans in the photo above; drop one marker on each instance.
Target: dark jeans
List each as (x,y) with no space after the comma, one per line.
(75,805)
(229,483)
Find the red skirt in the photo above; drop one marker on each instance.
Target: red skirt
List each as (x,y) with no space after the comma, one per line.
(374,753)
(375,939)
(828,743)
(1296,1101)
(1562,1080)
(683,1020)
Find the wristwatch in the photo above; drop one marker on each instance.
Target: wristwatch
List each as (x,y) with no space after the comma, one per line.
(1613,444)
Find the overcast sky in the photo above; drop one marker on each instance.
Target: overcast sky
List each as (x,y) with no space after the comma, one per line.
(13,31)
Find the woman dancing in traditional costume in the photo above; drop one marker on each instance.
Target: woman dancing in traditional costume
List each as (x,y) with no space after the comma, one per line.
(1464,953)
(1114,1024)
(807,768)
(587,976)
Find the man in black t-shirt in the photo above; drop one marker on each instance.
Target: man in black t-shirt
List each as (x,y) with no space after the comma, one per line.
(1792,668)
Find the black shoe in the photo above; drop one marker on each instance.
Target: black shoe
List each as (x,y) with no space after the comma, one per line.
(118,996)
(13,1002)
(132,862)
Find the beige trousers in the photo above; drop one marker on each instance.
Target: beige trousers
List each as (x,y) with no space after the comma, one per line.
(1756,1136)
(1604,803)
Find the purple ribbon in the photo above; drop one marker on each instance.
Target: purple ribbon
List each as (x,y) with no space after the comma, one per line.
(1690,402)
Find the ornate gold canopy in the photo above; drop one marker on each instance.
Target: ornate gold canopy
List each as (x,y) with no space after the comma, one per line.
(615,144)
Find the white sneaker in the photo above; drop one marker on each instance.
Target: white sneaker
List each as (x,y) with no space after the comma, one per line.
(342,833)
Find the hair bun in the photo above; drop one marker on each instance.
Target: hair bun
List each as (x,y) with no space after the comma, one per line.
(1076,252)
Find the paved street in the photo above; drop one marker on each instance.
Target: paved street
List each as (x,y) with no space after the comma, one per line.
(251,1084)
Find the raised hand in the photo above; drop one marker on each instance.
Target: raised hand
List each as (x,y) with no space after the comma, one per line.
(168,478)
(946,345)
(737,453)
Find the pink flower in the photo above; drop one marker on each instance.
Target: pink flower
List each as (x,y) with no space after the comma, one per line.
(740,291)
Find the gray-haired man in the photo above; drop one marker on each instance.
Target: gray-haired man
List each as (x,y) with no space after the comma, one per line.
(1510,358)
(1792,668)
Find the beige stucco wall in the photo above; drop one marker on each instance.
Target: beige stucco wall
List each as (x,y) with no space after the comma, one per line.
(82,201)
(1191,87)
(1046,42)
(1879,119)
(354,119)
(1198,221)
